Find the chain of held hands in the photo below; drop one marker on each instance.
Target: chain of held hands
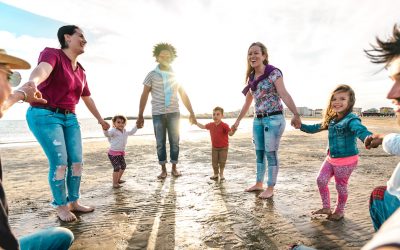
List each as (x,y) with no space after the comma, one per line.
(29,93)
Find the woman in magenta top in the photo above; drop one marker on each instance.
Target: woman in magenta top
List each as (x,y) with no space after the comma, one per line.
(62,81)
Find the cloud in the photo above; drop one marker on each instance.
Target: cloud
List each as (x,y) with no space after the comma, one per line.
(317,44)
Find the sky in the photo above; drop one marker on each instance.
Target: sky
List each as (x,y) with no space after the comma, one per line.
(317,44)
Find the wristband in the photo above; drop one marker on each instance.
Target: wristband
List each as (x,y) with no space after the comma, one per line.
(24,93)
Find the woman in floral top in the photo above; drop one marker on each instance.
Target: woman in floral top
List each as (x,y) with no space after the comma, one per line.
(265,85)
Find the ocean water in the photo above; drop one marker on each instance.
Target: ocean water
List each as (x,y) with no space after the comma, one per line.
(14,133)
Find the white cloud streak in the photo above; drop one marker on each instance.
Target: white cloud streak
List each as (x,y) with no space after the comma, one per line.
(317,45)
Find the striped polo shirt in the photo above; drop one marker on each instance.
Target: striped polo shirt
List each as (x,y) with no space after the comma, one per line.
(155,82)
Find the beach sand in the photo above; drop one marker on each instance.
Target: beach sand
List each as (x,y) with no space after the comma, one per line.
(194,212)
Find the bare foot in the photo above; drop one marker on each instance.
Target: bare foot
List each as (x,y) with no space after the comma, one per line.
(221,178)
(214,177)
(268,193)
(163,175)
(121,181)
(322,211)
(176,173)
(64,214)
(76,207)
(116,186)
(335,216)
(254,188)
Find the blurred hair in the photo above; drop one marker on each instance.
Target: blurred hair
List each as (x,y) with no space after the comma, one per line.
(329,113)
(385,51)
(164,46)
(65,30)
(121,117)
(219,109)
(264,51)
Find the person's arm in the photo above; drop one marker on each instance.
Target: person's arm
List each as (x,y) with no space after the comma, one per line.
(40,73)
(27,93)
(198,124)
(93,109)
(287,99)
(132,131)
(188,105)
(245,108)
(142,105)
(232,131)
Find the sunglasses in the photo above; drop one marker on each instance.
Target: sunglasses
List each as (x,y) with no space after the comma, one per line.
(13,77)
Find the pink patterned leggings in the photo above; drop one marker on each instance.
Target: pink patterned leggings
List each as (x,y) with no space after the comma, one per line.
(342,175)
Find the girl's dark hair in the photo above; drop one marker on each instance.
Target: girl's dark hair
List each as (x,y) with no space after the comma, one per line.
(329,114)
(164,46)
(121,117)
(65,30)
(385,51)
(265,62)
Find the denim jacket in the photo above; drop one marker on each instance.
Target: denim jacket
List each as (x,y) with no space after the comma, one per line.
(342,135)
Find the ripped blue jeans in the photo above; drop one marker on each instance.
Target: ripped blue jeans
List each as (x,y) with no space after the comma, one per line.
(60,138)
(267,133)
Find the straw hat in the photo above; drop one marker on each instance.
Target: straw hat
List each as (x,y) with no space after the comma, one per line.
(12,61)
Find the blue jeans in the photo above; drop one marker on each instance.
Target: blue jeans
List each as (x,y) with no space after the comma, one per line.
(267,133)
(52,238)
(381,206)
(60,138)
(162,124)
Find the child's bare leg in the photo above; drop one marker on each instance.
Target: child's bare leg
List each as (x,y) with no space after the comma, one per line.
(222,156)
(175,171)
(115,180)
(268,193)
(121,172)
(214,162)
(215,170)
(221,171)
(163,174)
(257,187)
(322,211)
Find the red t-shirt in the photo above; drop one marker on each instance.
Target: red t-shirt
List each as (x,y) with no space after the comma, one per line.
(219,134)
(64,86)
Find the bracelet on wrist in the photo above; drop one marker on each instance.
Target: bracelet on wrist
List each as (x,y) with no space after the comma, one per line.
(24,93)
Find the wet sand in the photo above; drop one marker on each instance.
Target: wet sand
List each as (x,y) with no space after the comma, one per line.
(194,212)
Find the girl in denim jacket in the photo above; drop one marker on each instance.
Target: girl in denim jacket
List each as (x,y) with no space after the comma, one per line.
(344,127)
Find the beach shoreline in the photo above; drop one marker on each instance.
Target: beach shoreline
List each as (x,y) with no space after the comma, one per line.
(192,211)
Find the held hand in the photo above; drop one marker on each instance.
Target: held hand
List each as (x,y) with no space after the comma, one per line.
(140,122)
(235,126)
(104,125)
(192,119)
(373,141)
(31,93)
(296,122)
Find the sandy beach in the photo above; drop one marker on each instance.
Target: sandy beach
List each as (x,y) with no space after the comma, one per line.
(194,212)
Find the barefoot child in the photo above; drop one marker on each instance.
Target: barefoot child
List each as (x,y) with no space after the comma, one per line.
(219,132)
(344,128)
(118,137)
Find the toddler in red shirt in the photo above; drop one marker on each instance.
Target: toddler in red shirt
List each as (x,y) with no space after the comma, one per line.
(219,132)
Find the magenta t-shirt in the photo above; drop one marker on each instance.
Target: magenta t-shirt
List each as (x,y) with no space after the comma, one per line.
(64,86)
